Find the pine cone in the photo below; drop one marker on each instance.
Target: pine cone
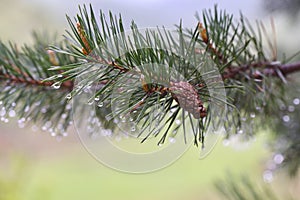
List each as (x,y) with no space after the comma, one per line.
(187,97)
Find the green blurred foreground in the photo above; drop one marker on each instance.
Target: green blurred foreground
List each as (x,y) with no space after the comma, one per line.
(35,166)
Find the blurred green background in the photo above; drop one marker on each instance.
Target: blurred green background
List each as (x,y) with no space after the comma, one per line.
(34,165)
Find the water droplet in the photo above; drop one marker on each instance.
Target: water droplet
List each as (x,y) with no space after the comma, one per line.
(90,102)
(43,110)
(13,104)
(12,113)
(27,108)
(1,102)
(133,128)
(64,134)
(177,121)
(56,85)
(278,158)
(6,120)
(244,119)
(291,108)
(252,115)
(100,104)
(226,142)
(296,101)
(258,108)
(21,123)
(69,96)
(286,118)
(48,124)
(268,176)
(240,131)
(97,98)
(64,115)
(172,140)
(123,119)
(2,112)
(131,119)
(59,76)
(52,133)
(68,106)
(173,110)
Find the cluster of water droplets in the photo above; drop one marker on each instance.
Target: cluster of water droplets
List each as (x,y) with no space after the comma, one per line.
(272,165)
(287,116)
(7,113)
(57,130)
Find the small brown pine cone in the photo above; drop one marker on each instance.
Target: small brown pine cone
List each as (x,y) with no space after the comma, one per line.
(187,97)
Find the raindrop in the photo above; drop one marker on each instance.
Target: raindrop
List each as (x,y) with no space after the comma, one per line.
(13,104)
(226,142)
(21,123)
(278,159)
(172,140)
(6,120)
(69,96)
(131,119)
(68,107)
(173,110)
(27,108)
(286,118)
(252,115)
(64,134)
(12,113)
(48,124)
(123,119)
(258,108)
(64,115)
(291,108)
(43,110)
(97,98)
(296,101)
(268,176)
(2,112)
(1,102)
(56,85)
(37,103)
(59,76)
(100,104)
(240,131)
(52,133)
(177,121)
(133,128)
(116,121)
(90,102)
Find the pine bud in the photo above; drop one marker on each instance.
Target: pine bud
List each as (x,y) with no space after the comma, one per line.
(187,97)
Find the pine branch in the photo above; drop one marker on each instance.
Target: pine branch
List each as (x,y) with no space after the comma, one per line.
(99,50)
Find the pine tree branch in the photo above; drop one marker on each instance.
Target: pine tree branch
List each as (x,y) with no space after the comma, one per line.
(267,69)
